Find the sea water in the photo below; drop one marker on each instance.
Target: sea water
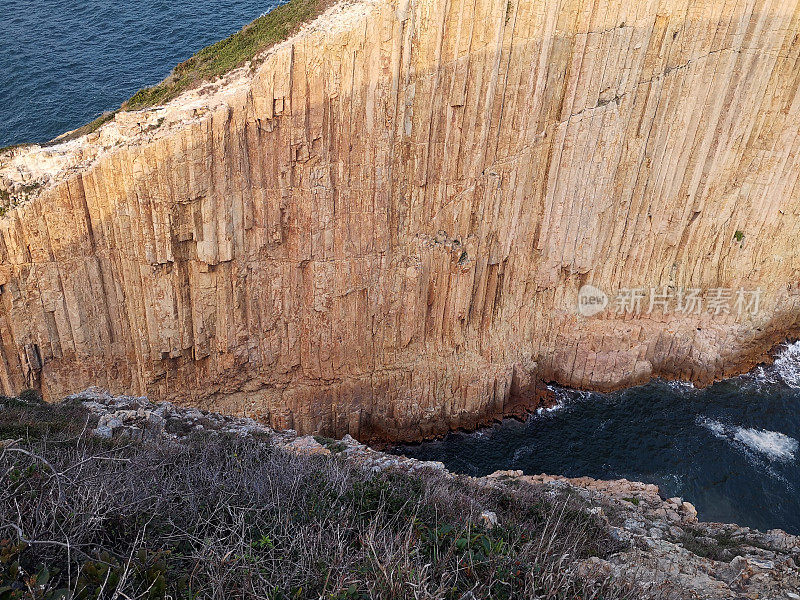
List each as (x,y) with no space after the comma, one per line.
(731,449)
(64,62)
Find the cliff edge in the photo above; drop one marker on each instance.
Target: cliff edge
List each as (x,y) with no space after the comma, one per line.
(383,226)
(349,517)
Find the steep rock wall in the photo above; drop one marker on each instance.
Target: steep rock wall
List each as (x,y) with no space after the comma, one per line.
(383,226)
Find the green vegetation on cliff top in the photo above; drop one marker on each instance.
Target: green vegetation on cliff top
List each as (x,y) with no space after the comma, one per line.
(234,51)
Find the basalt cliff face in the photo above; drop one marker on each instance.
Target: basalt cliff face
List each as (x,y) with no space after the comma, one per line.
(381,228)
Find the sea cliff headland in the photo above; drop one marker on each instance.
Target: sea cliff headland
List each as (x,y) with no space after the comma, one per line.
(381,224)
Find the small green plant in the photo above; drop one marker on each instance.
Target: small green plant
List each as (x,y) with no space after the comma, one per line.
(739,236)
(634,501)
(719,547)
(264,543)
(155,125)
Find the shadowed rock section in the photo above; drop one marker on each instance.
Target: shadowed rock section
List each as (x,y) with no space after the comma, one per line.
(381,228)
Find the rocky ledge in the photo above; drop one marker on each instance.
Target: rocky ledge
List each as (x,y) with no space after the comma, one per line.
(667,549)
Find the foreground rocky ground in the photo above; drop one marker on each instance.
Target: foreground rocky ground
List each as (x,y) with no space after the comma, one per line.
(590,538)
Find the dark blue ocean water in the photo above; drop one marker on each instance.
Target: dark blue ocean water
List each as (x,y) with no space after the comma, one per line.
(62,63)
(731,449)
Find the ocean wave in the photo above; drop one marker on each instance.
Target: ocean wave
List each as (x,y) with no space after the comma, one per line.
(760,377)
(784,370)
(521,454)
(715,427)
(543,410)
(773,445)
(787,365)
(564,397)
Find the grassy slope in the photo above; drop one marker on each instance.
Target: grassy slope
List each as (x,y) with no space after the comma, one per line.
(234,51)
(216,516)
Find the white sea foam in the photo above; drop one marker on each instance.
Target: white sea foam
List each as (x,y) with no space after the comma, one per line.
(542,410)
(773,445)
(562,397)
(522,453)
(785,369)
(681,386)
(761,376)
(787,365)
(715,427)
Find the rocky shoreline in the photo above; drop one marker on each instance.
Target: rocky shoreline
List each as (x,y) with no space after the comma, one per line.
(668,550)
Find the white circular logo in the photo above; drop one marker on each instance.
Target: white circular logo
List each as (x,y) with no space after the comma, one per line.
(591,301)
